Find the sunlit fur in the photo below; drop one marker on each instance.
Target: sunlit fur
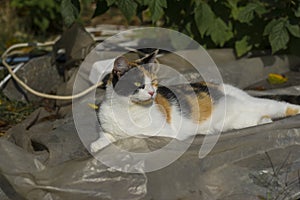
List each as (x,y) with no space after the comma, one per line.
(135,105)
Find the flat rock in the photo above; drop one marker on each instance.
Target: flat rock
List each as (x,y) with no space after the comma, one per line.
(40,75)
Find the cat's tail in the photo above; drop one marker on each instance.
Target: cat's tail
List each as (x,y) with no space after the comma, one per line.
(292,110)
(271,108)
(275,109)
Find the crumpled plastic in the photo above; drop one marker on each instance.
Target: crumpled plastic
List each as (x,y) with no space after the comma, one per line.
(54,165)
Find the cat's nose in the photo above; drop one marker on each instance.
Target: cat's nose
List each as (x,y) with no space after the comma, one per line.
(151,93)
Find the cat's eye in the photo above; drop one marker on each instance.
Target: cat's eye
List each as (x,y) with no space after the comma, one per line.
(137,84)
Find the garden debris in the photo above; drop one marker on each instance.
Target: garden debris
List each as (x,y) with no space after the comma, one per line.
(13,112)
(71,49)
(277,78)
(93,106)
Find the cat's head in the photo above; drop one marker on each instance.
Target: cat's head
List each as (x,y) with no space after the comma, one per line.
(135,80)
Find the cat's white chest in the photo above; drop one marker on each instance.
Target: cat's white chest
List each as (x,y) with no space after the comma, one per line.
(123,119)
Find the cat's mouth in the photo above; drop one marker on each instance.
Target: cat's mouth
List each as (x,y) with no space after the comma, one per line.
(143,102)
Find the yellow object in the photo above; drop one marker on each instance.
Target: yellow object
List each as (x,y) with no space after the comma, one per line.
(276,79)
(94,106)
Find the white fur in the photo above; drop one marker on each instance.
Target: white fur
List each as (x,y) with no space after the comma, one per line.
(143,94)
(120,118)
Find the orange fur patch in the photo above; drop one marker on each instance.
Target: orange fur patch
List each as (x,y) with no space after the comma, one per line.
(132,64)
(204,106)
(291,111)
(155,83)
(150,75)
(164,106)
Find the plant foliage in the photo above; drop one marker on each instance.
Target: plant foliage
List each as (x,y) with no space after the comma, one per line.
(244,25)
(39,16)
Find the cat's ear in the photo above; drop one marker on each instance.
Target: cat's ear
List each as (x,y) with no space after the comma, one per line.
(149,62)
(121,65)
(149,58)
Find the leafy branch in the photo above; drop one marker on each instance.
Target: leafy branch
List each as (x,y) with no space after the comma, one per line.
(243,25)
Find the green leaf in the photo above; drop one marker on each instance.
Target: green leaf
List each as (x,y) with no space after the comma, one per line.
(279,36)
(128,8)
(43,23)
(101,7)
(143,2)
(242,46)
(246,14)
(204,17)
(208,24)
(70,11)
(260,9)
(297,12)
(293,29)
(233,5)
(110,2)
(156,9)
(220,32)
(269,27)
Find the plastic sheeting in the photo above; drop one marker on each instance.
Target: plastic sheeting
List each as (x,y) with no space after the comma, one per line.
(45,160)
(54,165)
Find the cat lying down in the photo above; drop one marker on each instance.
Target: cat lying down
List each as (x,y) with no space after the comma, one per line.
(136,105)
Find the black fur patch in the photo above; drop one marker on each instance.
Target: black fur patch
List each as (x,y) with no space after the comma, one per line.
(166,93)
(125,85)
(211,90)
(177,97)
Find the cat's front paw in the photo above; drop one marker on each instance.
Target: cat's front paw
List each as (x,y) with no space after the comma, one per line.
(265,120)
(98,144)
(104,140)
(94,147)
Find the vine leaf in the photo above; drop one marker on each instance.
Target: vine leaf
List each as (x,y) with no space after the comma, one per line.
(210,25)
(242,46)
(220,32)
(246,14)
(278,36)
(204,18)
(233,5)
(70,11)
(128,8)
(293,29)
(110,2)
(156,9)
(269,27)
(297,12)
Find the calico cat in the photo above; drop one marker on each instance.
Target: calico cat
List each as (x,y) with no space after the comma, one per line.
(136,105)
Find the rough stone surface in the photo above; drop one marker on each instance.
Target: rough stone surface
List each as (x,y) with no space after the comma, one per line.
(40,75)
